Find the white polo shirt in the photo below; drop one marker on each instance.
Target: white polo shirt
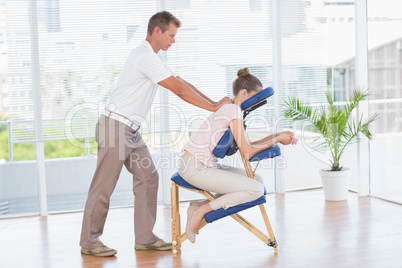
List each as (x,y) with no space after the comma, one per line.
(137,84)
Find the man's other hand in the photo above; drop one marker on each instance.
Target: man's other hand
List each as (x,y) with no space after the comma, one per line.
(225,100)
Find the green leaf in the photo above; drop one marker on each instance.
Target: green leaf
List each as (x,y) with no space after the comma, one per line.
(333,122)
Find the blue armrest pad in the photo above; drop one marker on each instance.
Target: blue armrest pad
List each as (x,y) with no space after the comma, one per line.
(223,145)
(220,213)
(260,96)
(271,152)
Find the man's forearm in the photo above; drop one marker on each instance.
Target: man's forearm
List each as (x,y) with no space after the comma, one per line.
(188,94)
(195,89)
(193,97)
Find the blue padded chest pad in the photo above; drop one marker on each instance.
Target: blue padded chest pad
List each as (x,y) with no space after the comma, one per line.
(224,144)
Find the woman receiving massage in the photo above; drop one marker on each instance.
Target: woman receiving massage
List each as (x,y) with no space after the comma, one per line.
(200,167)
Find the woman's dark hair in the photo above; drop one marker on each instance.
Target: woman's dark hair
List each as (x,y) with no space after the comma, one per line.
(245,80)
(162,20)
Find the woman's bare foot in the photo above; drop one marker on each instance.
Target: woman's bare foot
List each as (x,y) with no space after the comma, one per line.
(197,216)
(190,234)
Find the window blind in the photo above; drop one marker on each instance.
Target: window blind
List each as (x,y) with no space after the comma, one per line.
(236,34)
(83,45)
(217,39)
(303,49)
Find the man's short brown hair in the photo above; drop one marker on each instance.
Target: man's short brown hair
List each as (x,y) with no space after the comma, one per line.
(162,20)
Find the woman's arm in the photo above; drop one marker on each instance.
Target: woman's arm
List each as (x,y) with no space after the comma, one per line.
(267,138)
(248,149)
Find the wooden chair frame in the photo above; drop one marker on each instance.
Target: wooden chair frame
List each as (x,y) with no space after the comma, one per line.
(178,237)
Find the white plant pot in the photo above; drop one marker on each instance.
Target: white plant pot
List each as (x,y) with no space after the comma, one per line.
(335,184)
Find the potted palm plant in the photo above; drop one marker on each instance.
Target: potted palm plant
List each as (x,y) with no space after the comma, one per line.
(337,129)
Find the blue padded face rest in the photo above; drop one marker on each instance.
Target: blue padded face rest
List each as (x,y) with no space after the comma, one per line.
(271,152)
(223,145)
(260,96)
(220,213)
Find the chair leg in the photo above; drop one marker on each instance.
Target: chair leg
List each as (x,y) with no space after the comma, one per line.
(178,237)
(254,230)
(176,230)
(272,239)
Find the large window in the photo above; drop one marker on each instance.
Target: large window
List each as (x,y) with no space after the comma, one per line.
(63,59)
(385,79)
(341,45)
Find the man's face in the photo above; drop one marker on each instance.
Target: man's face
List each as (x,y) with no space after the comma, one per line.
(168,37)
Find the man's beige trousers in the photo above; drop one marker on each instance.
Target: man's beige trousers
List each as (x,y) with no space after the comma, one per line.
(119,145)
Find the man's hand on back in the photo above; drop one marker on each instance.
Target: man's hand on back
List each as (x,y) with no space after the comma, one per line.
(225,100)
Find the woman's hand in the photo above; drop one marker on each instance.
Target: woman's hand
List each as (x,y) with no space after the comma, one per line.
(286,138)
(286,132)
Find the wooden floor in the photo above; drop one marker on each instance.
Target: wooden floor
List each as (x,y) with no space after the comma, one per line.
(360,232)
